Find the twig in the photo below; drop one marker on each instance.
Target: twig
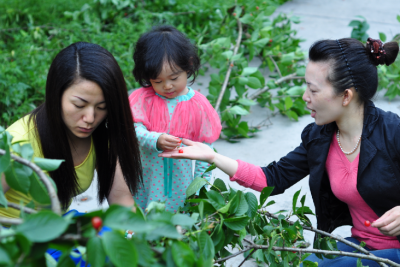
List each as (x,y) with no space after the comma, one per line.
(55,202)
(276,66)
(310,228)
(248,256)
(18,207)
(228,73)
(280,80)
(233,255)
(10,221)
(205,219)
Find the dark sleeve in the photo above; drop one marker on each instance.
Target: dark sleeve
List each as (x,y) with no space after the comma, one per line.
(291,168)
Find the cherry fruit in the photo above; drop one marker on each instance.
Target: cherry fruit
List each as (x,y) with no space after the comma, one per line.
(180,151)
(367,223)
(96,223)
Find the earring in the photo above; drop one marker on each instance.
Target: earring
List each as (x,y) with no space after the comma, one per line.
(106,124)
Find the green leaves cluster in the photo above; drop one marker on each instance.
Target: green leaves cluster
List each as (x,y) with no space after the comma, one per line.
(271,40)
(19,176)
(32,33)
(389,76)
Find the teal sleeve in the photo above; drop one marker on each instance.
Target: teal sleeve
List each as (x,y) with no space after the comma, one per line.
(147,140)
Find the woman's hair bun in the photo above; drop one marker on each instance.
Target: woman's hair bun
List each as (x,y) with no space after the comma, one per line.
(380,53)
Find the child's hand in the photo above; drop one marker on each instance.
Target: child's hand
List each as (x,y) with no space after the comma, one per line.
(168,142)
(192,150)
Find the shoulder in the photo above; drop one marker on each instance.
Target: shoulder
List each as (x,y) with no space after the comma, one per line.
(22,130)
(313,131)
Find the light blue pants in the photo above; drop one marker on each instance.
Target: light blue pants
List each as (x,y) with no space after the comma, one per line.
(345,261)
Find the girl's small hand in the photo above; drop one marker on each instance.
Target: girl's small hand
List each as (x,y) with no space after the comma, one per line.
(389,223)
(166,142)
(192,150)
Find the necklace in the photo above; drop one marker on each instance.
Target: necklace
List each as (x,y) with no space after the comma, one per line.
(354,149)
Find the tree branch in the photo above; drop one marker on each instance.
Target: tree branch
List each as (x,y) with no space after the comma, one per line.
(280,80)
(338,238)
(228,73)
(55,202)
(10,221)
(233,255)
(18,207)
(276,66)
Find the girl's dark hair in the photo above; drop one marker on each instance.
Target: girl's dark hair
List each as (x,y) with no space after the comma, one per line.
(352,64)
(164,44)
(86,61)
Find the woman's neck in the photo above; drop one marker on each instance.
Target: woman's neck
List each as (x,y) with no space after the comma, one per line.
(351,122)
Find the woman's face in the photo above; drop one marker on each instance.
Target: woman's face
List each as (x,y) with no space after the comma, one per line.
(83,108)
(320,97)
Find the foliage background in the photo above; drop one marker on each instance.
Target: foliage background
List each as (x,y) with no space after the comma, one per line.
(33,32)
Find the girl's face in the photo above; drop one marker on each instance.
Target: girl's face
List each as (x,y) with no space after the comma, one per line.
(83,108)
(170,83)
(320,96)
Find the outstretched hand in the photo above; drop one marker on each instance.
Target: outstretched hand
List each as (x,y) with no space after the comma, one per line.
(192,150)
(389,223)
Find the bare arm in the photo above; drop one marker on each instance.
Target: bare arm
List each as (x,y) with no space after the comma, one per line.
(120,193)
(200,151)
(4,183)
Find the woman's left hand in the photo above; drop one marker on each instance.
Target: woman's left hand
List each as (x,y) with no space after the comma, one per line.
(389,223)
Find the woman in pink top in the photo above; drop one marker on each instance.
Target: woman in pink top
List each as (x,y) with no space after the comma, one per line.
(351,152)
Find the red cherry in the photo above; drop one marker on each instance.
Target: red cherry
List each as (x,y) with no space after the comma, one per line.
(125,14)
(257,8)
(231,64)
(367,223)
(97,222)
(180,150)
(270,40)
(209,232)
(234,14)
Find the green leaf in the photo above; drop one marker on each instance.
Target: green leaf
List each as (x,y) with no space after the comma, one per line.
(27,151)
(254,83)
(182,254)
(38,190)
(227,54)
(253,204)
(95,252)
(293,115)
(122,218)
(183,220)
(246,19)
(265,193)
(288,58)
(215,199)
(294,202)
(248,70)
(247,102)
(238,110)
(17,177)
(47,225)
(354,23)
(195,186)
(309,264)
(236,223)
(48,164)
(382,36)
(119,249)
(243,80)
(206,245)
(243,207)
(5,159)
(398,18)
(212,167)
(220,185)
(296,90)
(288,103)
(225,208)
(4,258)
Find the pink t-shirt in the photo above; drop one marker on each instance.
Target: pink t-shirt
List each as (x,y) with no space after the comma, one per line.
(343,179)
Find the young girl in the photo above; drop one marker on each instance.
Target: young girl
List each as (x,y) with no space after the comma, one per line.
(165,110)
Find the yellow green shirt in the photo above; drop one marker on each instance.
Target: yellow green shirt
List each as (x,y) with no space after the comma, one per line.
(24,133)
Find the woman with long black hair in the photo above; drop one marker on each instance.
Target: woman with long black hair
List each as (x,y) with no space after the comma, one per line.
(86,121)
